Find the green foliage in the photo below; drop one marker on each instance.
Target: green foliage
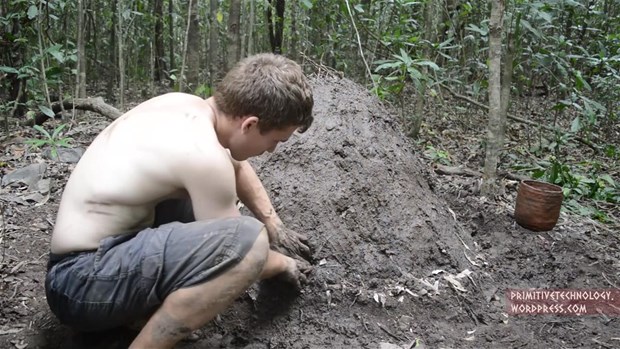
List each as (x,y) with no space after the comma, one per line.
(581,182)
(25,60)
(203,91)
(402,68)
(437,155)
(53,140)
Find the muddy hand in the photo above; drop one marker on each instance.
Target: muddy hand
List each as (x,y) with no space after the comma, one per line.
(297,272)
(291,243)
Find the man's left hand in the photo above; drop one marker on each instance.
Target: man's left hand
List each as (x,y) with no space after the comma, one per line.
(289,242)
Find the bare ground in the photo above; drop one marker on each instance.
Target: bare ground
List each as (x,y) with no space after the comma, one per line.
(387,233)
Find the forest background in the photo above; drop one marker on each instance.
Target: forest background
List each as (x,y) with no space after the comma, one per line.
(544,74)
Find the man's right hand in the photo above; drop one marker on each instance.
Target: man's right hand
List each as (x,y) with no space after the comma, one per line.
(296,273)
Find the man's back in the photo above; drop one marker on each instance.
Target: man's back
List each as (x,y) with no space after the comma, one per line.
(132,165)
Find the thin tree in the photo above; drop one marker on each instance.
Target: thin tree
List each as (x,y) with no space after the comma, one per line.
(158,15)
(294,36)
(111,76)
(41,53)
(275,26)
(171,26)
(192,45)
(121,53)
(431,14)
(214,63)
(250,28)
(80,84)
(234,36)
(495,128)
(181,80)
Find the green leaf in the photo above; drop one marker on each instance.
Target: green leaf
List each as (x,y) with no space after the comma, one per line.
(57,130)
(607,178)
(64,142)
(36,143)
(390,65)
(530,28)
(42,131)
(572,3)
(9,70)
(427,63)
(576,125)
(53,72)
(475,28)
(359,8)
(580,82)
(546,16)
(47,111)
(219,16)
(33,11)
(307,4)
(56,52)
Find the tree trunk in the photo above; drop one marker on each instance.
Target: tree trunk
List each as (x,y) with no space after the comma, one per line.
(80,85)
(111,76)
(193,46)
(121,53)
(507,72)
(171,35)
(158,14)
(276,26)
(214,63)
(234,37)
(430,17)
(250,28)
(42,66)
(495,138)
(94,12)
(294,39)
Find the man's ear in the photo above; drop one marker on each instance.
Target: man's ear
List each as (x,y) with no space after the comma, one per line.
(248,123)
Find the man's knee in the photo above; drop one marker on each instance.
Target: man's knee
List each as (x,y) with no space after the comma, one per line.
(259,251)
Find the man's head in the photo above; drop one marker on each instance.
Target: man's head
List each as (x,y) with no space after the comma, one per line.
(270,97)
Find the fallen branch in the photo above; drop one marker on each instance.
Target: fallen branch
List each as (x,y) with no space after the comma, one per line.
(518,119)
(464,171)
(398,338)
(96,105)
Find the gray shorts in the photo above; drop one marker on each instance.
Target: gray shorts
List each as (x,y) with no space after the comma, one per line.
(127,278)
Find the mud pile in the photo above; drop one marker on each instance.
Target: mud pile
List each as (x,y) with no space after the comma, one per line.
(353,184)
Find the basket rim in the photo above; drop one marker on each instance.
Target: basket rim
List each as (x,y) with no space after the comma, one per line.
(542,186)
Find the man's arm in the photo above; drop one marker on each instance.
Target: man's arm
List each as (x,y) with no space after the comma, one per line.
(252,193)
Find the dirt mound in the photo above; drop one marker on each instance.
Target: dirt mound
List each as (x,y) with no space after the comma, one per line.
(353,184)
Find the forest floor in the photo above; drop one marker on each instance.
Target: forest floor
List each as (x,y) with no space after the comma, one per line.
(404,257)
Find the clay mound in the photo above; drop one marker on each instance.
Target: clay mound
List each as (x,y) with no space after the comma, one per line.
(353,184)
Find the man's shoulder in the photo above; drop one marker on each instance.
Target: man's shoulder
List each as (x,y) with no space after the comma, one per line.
(176,96)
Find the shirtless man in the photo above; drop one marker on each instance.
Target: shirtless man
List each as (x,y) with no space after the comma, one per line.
(148,226)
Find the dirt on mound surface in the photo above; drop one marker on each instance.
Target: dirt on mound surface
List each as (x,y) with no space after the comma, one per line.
(393,261)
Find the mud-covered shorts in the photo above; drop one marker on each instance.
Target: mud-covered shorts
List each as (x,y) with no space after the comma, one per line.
(127,278)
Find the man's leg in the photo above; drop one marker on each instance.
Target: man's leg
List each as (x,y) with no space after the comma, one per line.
(190,308)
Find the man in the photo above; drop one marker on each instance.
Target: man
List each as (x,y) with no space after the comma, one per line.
(148,225)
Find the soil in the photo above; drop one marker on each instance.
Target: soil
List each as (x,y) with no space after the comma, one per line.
(388,234)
